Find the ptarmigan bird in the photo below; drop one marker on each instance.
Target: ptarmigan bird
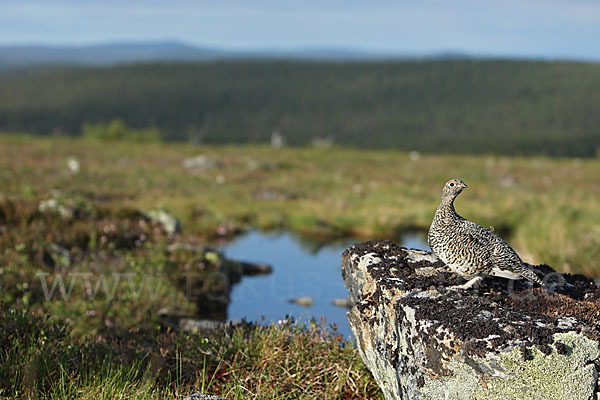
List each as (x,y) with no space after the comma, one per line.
(471,250)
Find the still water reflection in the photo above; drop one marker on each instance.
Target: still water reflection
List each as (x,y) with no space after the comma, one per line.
(300,269)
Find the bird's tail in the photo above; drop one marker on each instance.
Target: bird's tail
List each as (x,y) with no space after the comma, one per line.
(526,271)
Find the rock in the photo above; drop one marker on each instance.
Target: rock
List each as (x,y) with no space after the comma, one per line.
(73,165)
(254,165)
(199,162)
(304,301)
(251,269)
(277,140)
(234,269)
(504,340)
(414,155)
(195,325)
(322,142)
(347,303)
(201,396)
(170,223)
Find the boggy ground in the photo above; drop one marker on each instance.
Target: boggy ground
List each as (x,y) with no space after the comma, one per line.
(545,208)
(89,309)
(113,326)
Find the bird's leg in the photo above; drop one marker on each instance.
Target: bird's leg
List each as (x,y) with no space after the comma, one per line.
(469,284)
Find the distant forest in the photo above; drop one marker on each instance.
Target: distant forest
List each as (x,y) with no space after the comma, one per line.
(447,106)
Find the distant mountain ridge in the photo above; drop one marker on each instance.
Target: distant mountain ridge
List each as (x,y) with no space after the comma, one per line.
(174,51)
(105,54)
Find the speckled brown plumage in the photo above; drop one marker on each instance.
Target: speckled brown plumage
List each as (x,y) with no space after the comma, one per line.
(469,249)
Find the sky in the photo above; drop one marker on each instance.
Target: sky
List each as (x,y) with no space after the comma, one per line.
(567,29)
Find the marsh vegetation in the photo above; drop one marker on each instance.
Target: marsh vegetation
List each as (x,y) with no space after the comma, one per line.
(86,222)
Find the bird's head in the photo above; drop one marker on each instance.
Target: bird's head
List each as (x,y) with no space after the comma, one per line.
(452,188)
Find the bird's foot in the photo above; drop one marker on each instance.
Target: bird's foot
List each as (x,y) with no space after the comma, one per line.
(473,282)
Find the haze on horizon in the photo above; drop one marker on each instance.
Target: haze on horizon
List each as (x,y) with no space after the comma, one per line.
(509,28)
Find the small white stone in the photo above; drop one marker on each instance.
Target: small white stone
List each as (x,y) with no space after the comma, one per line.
(73,165)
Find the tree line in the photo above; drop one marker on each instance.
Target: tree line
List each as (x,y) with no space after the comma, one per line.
(449,106)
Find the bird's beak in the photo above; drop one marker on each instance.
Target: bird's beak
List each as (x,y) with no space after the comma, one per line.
(464,185)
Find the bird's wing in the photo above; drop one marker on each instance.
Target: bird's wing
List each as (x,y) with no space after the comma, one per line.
(480,240)
(504,255)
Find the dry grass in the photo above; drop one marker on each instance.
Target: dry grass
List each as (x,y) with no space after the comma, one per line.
(284,361)
(289,362)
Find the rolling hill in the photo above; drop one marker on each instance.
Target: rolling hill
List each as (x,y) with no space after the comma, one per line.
(464,106)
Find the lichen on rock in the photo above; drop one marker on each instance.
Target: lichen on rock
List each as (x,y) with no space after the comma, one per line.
(504,340)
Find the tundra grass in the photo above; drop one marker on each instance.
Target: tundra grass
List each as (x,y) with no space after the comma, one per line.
(116,289)
(548,209)
(288,361)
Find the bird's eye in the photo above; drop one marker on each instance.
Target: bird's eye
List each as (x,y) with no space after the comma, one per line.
(451,183)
